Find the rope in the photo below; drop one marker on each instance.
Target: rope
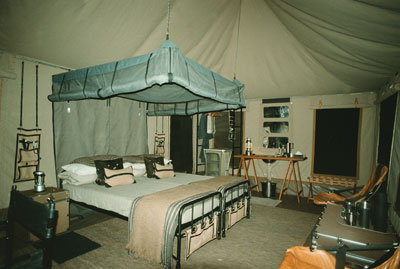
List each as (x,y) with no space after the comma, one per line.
(169,12)
(37,96)
(237,40)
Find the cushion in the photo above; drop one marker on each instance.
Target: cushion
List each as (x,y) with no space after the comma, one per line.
(119,176)
(79,169)
(109,164)
(164,171)
(150,164)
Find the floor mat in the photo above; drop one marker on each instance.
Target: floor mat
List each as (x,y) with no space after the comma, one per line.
(71,245)
(265,201)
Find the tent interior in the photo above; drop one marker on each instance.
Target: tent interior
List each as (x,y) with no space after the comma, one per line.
(306,56)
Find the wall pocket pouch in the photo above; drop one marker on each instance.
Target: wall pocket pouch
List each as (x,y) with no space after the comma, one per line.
(26,171)
(28,156)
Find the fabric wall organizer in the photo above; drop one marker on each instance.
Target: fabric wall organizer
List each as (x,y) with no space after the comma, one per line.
(27,155)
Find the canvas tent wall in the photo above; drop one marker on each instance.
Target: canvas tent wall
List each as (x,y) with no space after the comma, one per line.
(9,119)
(302,125)
(285,48)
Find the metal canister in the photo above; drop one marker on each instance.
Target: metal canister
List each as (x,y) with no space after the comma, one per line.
(289,149)
(249,146)
(39,181)
(364,214)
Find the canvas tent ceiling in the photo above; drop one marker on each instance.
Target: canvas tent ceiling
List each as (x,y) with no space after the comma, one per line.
(285,47)
(168,82)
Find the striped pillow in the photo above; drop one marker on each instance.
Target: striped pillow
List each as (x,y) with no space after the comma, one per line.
(164,171)
(119,176)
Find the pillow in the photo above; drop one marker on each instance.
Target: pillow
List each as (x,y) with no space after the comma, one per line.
(139,169)
(118,177)
(109,164)
(150,164)
(164,171)
(79,169)
(75,179)
(89,160)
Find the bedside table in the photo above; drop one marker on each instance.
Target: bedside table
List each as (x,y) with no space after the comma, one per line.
(61,200)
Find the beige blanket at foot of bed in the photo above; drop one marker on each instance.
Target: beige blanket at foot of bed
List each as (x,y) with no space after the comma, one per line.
(215,183)
(148,223)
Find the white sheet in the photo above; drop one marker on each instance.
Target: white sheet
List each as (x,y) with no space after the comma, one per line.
(119,198)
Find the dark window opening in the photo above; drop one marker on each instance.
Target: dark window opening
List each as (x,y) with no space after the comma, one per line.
(336,144)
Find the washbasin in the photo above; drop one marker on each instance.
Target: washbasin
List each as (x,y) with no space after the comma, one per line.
(269,161)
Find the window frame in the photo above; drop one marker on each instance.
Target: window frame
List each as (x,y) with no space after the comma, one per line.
(356,177)
(288,119)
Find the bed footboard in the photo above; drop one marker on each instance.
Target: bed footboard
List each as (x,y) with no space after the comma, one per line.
(235,204)
(201,228)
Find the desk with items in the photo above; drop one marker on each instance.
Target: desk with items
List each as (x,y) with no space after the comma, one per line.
(293,165)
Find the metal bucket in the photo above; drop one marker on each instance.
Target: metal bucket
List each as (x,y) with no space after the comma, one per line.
(268,189)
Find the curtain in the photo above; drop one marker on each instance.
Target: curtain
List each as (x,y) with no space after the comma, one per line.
(93,127)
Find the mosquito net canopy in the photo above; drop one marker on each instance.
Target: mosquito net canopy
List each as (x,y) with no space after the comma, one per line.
(170,83)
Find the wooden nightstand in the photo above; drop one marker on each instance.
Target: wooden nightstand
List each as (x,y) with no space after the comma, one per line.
(61,198)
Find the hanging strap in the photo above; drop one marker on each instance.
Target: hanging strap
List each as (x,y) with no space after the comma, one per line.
(156,124)
(22,95)
(162,124)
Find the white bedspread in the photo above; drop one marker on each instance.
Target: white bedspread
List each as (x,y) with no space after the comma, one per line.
(119,198)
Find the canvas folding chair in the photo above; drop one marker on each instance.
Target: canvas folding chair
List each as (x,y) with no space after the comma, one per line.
(377,178)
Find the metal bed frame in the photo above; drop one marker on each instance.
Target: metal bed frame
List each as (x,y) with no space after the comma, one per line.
(241,190)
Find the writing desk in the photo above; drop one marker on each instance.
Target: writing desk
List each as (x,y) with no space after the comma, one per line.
(293,165)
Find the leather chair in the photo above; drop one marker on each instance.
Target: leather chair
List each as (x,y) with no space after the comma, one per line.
(301,257)
(40,220)
(377,178)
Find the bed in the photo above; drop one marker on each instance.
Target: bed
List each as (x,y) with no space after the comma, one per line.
(119,199)
(167,83)
(199,208)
